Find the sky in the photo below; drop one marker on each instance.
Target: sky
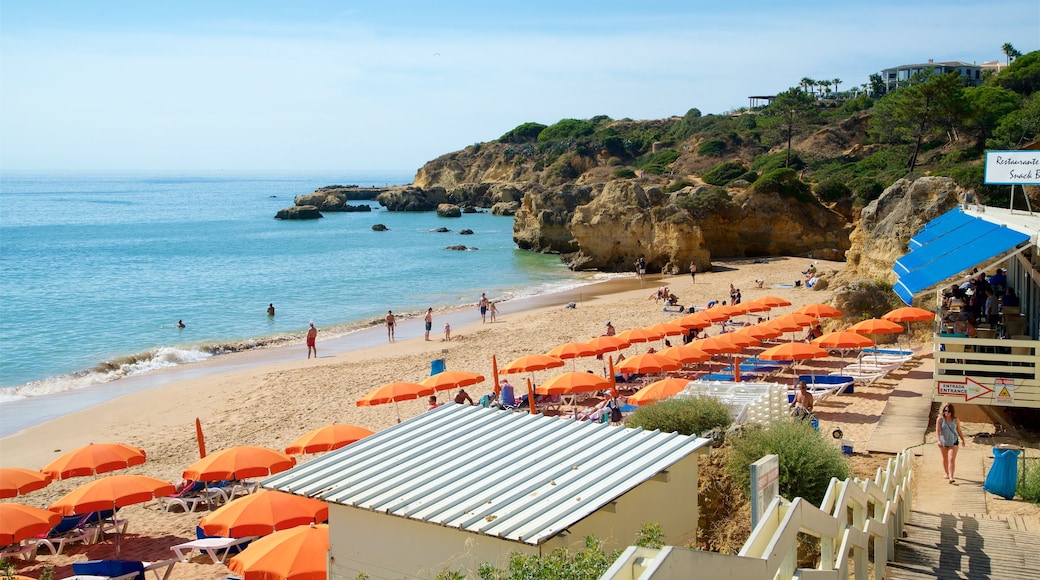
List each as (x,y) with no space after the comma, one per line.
(327,85)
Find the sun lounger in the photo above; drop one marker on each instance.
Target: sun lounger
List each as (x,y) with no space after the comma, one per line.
(122,569)
(863,378)
(23,550)
(217,548)
(70,530)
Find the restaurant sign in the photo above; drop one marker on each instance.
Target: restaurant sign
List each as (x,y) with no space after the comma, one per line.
(1013,167)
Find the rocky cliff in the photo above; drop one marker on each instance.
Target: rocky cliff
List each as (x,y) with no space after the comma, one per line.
(607,227)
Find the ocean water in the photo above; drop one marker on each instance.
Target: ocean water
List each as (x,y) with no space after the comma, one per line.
(97,269)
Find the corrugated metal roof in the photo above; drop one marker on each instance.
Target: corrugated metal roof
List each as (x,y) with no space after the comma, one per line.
(513,475)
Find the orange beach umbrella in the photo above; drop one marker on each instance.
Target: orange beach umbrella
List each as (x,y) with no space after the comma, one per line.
(573,382)
(299,553)
(327,438)
(111,492)
(772,301)
(19,522)
(793,351)
(842,339)
(876,326)
(572,350)
(394,392)
(909,314)
(239,462)
(15,481)
(263,513)
(93,459)
(819,310)
(658,391)
(446,380)
(531,363)
(667,329)
(605,344)
(759,331)
(685,353)
(634,335)
(648,363)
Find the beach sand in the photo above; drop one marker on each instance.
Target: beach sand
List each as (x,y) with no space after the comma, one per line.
(271,405)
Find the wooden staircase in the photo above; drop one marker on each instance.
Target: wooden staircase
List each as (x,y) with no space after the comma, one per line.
(959,546)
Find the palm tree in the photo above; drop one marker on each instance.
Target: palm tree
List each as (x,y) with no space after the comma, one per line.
(1009,51)
(835,82)
(805,83)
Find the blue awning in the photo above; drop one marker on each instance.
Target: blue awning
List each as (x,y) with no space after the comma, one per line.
(940,226)
(949,245)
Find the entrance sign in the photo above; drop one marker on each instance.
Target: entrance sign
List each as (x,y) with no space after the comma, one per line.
(968,388)
(1012,167)
(765,485)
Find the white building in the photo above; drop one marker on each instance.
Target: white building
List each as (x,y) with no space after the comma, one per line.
(461,485)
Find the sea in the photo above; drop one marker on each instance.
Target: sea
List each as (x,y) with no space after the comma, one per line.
(98,269)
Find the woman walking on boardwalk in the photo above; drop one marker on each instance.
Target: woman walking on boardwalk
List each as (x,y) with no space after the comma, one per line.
(949,436)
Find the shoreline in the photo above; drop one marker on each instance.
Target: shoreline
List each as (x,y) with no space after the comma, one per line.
(31,411)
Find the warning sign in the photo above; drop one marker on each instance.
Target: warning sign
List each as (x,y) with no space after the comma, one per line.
(1004,391)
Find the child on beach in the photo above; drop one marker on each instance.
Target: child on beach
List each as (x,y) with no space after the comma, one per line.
(447,332)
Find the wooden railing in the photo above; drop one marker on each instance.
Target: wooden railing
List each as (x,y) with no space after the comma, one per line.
(856,517)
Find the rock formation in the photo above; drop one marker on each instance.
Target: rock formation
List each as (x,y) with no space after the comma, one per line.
(609,227)
(449,210)
(887,224)
(298,212)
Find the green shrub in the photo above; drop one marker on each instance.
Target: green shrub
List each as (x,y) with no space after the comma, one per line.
(688,416)
(660,162)
(677,185)
(724,172)
(523,133)
(866,299)
(707,202)
(784,182)
(867,190)
(771,161)
(712,148)
(1029,483)
(624,173)
(588,564)
(651,535)
(807,460)
(832,190)
(567,129)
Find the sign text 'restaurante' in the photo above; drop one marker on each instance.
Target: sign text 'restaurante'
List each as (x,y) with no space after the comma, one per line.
(1013,167)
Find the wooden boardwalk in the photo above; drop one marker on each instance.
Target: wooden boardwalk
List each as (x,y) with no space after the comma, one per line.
(960,546)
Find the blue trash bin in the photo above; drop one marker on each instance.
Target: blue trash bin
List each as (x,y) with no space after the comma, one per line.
(1002,478)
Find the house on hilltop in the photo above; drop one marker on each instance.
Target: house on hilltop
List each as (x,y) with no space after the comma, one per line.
(893,77)
(460,485)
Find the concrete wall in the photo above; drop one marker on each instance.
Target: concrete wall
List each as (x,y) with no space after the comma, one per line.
(391,547)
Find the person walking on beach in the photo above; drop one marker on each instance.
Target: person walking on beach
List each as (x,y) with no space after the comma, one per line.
(492,310)
(949,437)
(429,322)
(312,337)
(693,272)
(483,304)
(391,321)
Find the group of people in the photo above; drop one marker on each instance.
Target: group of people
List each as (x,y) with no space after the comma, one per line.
(977,300)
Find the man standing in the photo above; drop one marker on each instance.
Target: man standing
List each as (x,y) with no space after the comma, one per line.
(391,321)
(312,337)
(693,272)
(429,322)
(483,307)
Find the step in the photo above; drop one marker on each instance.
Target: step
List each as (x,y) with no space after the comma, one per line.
(969,564)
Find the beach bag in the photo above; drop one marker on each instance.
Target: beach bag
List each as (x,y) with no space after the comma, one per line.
(615,411)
